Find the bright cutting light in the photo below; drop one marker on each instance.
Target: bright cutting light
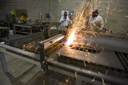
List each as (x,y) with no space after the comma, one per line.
(71,37)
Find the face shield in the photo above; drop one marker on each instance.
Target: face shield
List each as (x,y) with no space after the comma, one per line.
(94,14)
(65,14)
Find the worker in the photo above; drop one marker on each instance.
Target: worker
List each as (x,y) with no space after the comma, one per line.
(47,18)
(13,16)
(65,20)
(96,21)
(22,18)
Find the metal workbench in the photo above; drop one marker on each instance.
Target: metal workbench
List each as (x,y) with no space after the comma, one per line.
(80,74)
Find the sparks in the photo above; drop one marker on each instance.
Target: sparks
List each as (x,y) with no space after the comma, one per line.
(79,22)
(71,37)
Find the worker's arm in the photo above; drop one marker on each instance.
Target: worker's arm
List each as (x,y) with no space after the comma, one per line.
(68,19)
(102,23)
(61,19)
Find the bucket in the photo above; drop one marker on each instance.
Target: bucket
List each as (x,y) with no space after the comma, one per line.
(11,32)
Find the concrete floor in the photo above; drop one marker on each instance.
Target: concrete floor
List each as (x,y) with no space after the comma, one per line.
(20,72)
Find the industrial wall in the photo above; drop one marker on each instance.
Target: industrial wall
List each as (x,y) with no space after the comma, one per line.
(114,12)
(35,7)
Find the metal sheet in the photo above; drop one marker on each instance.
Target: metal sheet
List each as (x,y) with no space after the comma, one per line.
(103,58)
(119,45)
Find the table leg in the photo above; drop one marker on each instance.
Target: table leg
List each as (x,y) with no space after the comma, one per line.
(3,62)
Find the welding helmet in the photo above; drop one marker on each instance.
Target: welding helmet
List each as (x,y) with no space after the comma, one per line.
(95,13)
(65,13)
